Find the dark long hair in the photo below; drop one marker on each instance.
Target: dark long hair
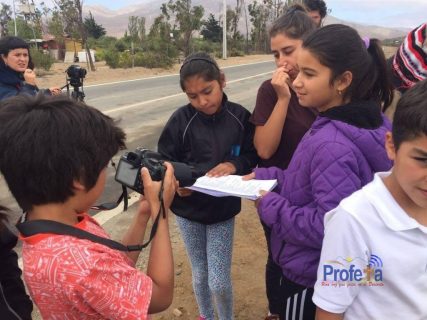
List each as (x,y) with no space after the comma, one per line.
(341,49)
(200,64)
(294,23)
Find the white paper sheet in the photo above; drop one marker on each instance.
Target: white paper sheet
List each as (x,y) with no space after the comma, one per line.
(232,185)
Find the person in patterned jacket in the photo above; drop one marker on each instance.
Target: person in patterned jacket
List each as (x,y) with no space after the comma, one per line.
(54,157)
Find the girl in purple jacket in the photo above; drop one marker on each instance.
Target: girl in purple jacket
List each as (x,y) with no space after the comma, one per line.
(345,81)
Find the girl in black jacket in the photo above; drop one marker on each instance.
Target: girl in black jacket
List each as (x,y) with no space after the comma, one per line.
(14,302)
(215,136)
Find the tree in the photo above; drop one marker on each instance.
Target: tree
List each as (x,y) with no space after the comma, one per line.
(259,16)
(55,26)
(211,29)
(5,17)
(94,29)
(25,31)
(133,28)
(141,28)
(72,14)
(187,19)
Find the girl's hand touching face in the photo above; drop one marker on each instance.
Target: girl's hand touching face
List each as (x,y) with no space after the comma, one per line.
(30,77)
(281,82)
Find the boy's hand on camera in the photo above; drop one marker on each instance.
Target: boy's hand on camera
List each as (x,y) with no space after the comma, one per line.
(223,169)
(144,209)
(170,185)
(280,82)
(152,188)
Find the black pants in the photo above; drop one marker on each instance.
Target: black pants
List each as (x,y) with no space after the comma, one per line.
(273,278)
(297,301)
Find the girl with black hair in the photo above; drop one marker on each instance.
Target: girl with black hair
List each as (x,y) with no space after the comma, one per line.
(345,81)
(280,120)
(214,135)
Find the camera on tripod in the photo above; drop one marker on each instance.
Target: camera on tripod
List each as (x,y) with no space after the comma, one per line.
(130,165)
(76,74)
(74,78)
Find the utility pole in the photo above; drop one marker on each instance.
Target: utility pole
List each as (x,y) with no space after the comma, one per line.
(14,18)
(224,30)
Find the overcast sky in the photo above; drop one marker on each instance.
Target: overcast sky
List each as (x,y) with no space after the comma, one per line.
(389,13)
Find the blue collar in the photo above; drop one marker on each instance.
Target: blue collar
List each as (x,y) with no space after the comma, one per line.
(9,76)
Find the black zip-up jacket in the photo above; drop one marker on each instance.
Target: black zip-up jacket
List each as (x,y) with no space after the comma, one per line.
(14,302)
(205,141)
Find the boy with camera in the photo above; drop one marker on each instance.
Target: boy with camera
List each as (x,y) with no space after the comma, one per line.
(373,263)
(54,157)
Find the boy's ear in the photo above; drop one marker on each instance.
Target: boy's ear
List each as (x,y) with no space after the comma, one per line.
(77,185)
(389,146)
(222,80)
(344,81)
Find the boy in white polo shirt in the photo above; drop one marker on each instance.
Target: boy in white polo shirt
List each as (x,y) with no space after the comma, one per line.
(374,255)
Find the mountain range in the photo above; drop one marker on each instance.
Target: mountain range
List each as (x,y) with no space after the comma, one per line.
(115,22)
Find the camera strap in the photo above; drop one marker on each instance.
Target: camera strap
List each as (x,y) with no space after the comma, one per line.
(112,205)
(34,227)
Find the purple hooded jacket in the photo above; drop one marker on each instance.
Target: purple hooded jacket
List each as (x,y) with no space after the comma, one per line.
(334,159)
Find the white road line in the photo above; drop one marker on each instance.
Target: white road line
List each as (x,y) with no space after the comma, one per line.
(138,104)
(169,75)
(104,216)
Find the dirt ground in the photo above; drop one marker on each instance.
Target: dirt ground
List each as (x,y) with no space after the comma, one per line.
(249,257)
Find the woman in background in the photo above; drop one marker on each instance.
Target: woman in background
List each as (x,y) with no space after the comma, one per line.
(16,70)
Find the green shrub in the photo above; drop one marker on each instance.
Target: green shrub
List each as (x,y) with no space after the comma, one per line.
(234,52)
(125,60)
(41,60)
(120,45)
(153,60)
(112,58)
(206,46)
(100,54)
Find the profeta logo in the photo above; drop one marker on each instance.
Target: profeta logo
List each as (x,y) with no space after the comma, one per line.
(353,271)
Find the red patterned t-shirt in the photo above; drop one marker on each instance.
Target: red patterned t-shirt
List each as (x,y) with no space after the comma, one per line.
(70,278)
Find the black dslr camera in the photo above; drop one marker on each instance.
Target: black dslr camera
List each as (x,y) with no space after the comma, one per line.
(129,169)
(76,74)
(74,78)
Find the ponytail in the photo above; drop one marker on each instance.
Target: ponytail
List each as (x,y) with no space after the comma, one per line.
(350,53)
(382,89)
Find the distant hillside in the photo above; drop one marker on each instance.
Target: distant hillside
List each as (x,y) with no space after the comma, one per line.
(115,22)
(370,30)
